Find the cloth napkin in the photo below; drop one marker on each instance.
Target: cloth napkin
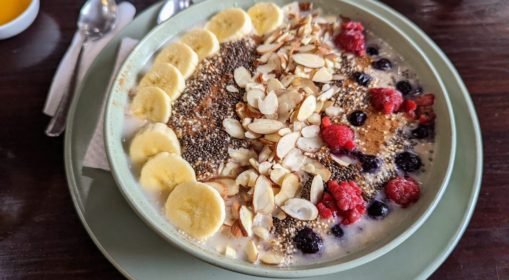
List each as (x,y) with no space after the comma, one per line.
(95,156)
(62,78)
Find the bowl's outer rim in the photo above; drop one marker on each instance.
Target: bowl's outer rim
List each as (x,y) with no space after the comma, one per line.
(73,184)
(32,8)
(291,272)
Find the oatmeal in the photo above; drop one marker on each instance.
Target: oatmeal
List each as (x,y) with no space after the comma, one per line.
(282,136)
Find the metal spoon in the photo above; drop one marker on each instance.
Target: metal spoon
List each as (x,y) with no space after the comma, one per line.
(172,7)
(97,18)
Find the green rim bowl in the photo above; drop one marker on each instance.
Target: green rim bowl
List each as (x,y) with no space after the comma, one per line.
(434,182)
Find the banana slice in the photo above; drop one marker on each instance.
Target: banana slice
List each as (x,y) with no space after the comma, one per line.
(164,171)
(151,140)
(202,41)
(166,77)
(181,56)
(266,17)
(230,24)
(196,208)
(151,103)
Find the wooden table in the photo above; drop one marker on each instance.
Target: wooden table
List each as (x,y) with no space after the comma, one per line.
(41,236)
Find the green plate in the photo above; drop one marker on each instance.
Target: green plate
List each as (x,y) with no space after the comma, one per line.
(435,180)
(139,253)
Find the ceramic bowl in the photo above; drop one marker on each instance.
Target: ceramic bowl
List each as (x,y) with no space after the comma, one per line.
(20,23)
(434,182)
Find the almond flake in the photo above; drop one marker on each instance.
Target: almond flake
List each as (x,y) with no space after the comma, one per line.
(300,209)
(251,251)
(252,135)
(278,174)
(230,252)
(294,160)
(265,48)
(233,128)
(342,160)
(262,233)
(309,60)
(264,168)
(286,144)
(310,131)
(268,105)
(307,108)
(316,191)
(231,88)
(284,131)
(254,96)
(231,186)
(289,188)
(263,220)
(274,85)
(306,48)
(310,145)
(246,220)
(247,178)
(333,111)
(241,155)
(230,170)
(263,196)
(322,76)
(327,94)
(265,126)
(315,119)
(318,169)
(241,76)
(220,188)
(264,154)
(271,258)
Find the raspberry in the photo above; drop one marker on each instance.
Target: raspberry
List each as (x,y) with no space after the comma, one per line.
(409,106)
(347,194)
(329,202)
(353,215)
(387,100)
(403,190)
(337,136)
(351,38)
(425,100)
(325,212)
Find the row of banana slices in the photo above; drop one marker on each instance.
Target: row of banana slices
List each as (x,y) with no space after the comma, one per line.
(194,207)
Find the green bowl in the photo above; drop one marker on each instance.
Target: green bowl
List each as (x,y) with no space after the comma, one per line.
(434,182)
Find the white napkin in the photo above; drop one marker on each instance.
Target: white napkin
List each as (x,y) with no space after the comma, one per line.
(62,78)
(95,156)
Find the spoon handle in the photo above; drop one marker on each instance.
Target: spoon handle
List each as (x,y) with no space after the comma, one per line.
(57,124)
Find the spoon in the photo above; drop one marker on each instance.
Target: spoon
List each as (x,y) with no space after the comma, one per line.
(97,18)
(172,7)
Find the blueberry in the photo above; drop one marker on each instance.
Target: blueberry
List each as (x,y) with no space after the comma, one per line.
(357,118)
(378,210)
(382,64)
(362,78)
(308,241)
(369,163)
(372,51)
(408,162)
(404,87)
(421,132)
(337,231)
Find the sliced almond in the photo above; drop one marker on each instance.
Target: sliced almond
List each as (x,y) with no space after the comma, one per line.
(310,145)
(242,76)
(316,190)
(274,85)
(220,188)
(230,252)
(306,48)
(265,126)
(309,60)
(307,108)
(289,188)
(262,233)
(286,144)
(231,170)
(333,111)
(263,220)
(251,251)
(232,188)
(300,209)
(284,131)
(241,155)
(269,104)
(264,168)
(247,178)
(271,258)
(265,48)
(263,196)
(277,175)
(232,88)
(233,128)
(327,94)
(318,169)
(315,119)
(272,137)
(294,160)
(264,154)
(253,96)
(310,131)
(252,135)
(246,220)
(343,160)
(322,76)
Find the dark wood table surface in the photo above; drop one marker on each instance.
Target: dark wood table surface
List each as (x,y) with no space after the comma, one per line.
(41,236)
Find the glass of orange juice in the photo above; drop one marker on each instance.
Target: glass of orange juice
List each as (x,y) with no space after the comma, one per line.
(16,16)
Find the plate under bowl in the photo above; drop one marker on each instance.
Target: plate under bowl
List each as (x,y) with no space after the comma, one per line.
(434,183)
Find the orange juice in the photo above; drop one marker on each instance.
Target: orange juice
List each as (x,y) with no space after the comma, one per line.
(10,9)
